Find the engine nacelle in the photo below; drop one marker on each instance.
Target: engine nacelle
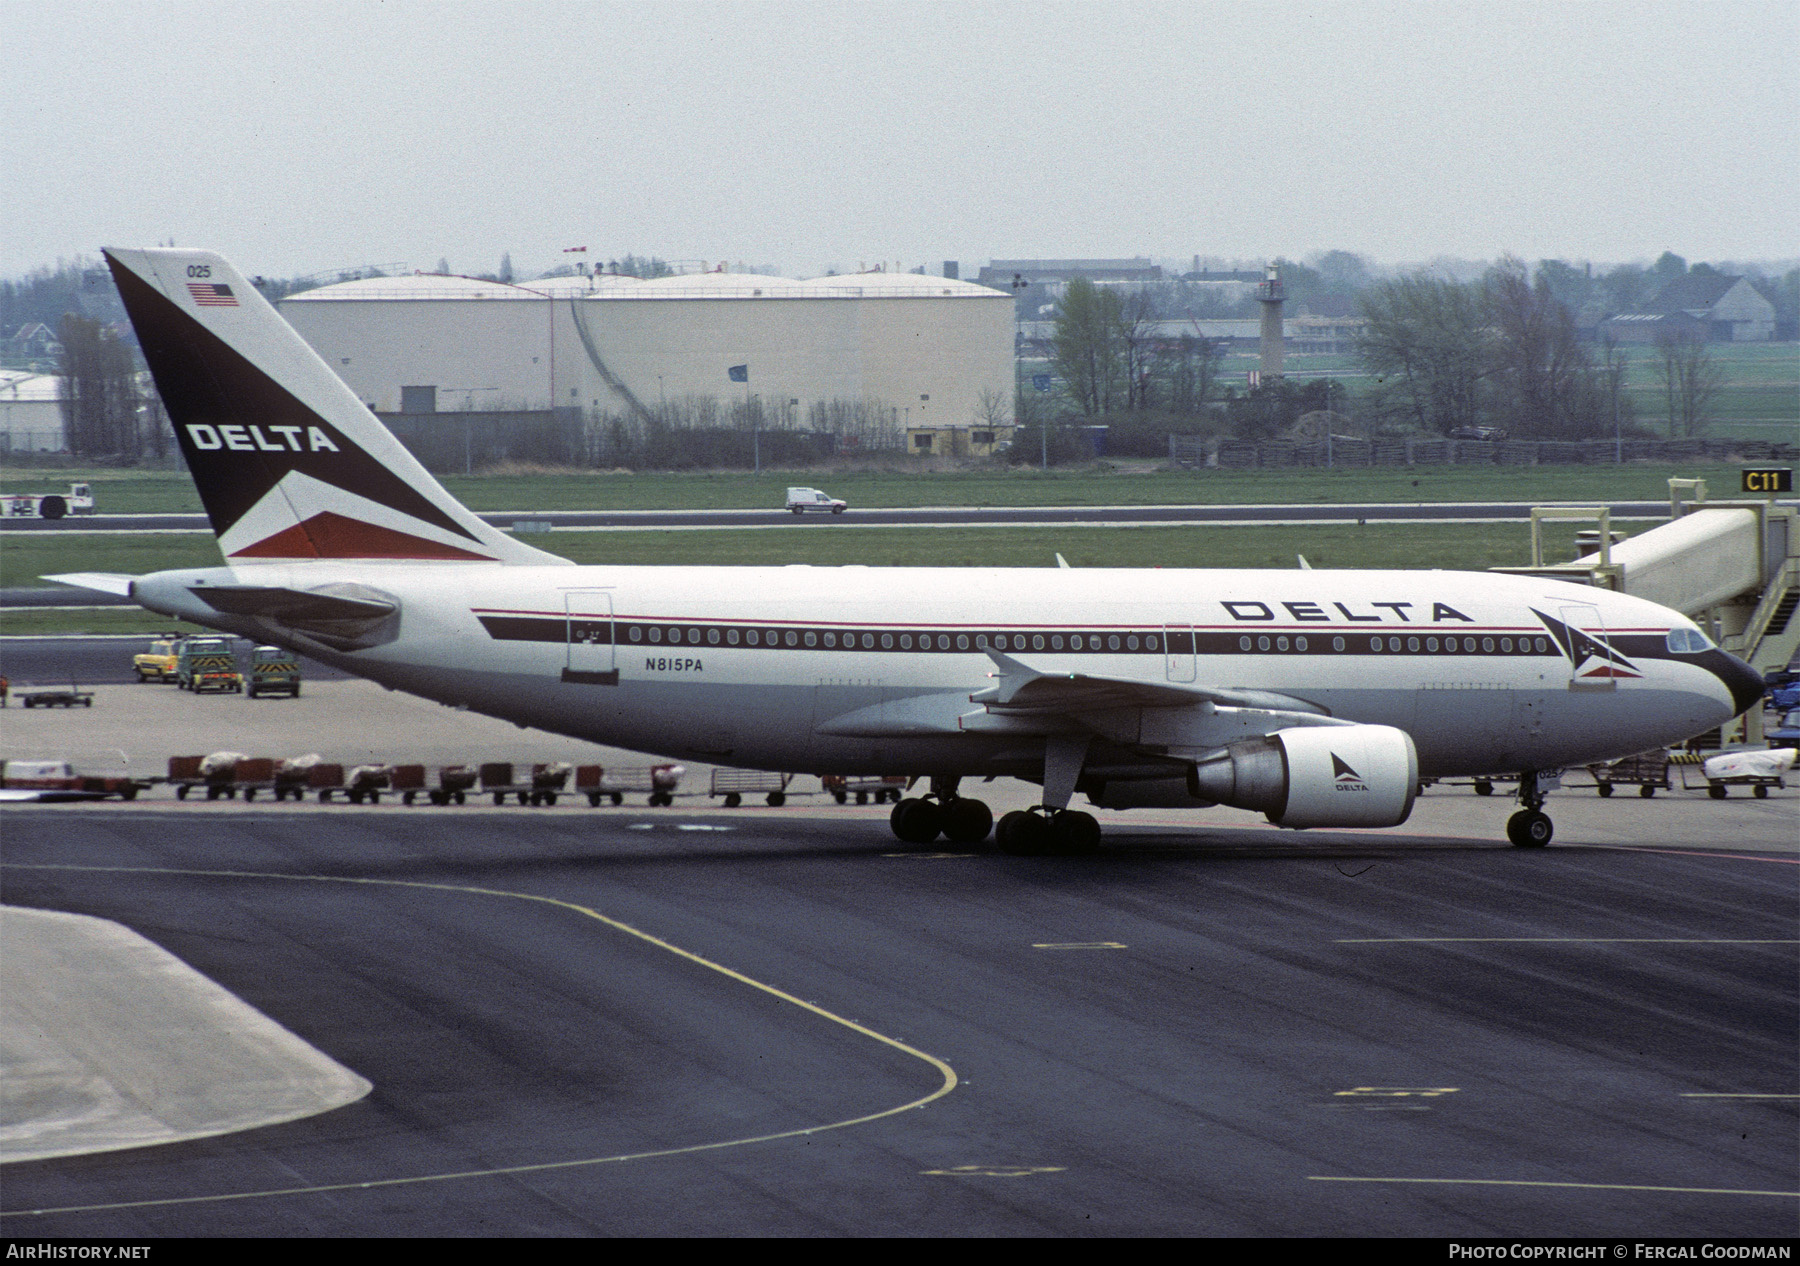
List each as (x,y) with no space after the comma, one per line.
(1328,775)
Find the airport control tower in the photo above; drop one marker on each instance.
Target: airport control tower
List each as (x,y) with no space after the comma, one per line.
(1269,295)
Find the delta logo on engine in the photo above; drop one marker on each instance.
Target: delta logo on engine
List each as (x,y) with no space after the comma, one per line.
(1345,778)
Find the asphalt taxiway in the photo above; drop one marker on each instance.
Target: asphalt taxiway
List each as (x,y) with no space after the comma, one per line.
(699,1021)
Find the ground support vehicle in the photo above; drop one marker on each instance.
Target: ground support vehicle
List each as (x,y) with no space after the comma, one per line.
(412,781)
(367,782)
(60,780)
(542,787)
(590,781)
(659,781)
(1756,768)
(70,698)
(273,671)
(454,782)
(79,499)
(324,780)
(158,663)
(217,774)
(735,784)
(408,781)
(842,788)
(292,777)
(207,663)
(801,500)
(1646,771)
(1787,734)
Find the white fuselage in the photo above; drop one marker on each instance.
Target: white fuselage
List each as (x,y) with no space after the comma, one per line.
(756,666)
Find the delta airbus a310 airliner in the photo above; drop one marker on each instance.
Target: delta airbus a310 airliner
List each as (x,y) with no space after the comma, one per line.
(1318,698)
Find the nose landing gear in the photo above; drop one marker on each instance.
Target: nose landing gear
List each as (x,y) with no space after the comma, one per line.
(1531,826)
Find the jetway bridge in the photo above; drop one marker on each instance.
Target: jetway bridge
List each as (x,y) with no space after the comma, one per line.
(1731,566)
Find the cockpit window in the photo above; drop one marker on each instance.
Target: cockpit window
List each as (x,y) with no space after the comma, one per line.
(1688,642)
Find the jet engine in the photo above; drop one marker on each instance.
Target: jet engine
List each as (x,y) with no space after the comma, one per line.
(1333,775)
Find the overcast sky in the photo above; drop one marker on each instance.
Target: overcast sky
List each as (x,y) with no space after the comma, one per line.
(309,136)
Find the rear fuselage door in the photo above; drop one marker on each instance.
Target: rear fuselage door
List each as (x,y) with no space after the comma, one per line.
(1178,652)
(590,637)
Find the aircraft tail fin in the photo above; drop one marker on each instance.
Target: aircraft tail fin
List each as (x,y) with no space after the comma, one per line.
(290,465)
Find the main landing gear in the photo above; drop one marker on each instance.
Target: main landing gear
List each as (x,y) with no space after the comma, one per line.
(1051,827)
(1059,832)
(921,819)
(1530,827)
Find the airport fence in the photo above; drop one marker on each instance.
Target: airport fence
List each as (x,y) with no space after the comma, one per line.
(1195,452)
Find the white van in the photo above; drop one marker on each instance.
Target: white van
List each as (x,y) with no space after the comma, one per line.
(800,500)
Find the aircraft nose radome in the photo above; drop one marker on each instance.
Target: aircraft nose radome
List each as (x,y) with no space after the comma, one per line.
(1744,682)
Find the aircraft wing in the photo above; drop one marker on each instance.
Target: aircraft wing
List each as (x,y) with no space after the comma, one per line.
(1027,701)
(1023,690)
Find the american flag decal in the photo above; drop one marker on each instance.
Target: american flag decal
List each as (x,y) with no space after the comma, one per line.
(210,295)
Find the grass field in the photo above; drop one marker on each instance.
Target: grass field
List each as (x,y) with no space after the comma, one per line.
(1760,398)
(1452,546)
(168,492)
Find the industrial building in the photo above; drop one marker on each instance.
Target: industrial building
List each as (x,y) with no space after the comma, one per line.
(31,419)
(931,350)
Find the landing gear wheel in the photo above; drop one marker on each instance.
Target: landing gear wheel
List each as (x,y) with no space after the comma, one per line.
(1529,828)
(966,821)
(1074,834)
(1022,834)
(916,821)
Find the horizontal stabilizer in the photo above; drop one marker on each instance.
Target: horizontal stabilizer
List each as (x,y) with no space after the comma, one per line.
(291,605)
(99,581)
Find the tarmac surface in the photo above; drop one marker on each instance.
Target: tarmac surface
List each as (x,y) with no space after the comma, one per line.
(780,1021)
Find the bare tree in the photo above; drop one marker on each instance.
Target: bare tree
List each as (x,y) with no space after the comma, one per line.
(1426,343)
(1691,381)
(1191,373)
(1543,381)
(99,393)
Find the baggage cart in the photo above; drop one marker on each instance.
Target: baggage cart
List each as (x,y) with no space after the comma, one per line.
(590,781)
(326,779)
(1646,771)
(659,781)
(1758,768)
(542,786)
(454,782)
(216,774)
(841,787)
(367,782)
(251,775)
(735,784)
(73,697)
(409,781)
